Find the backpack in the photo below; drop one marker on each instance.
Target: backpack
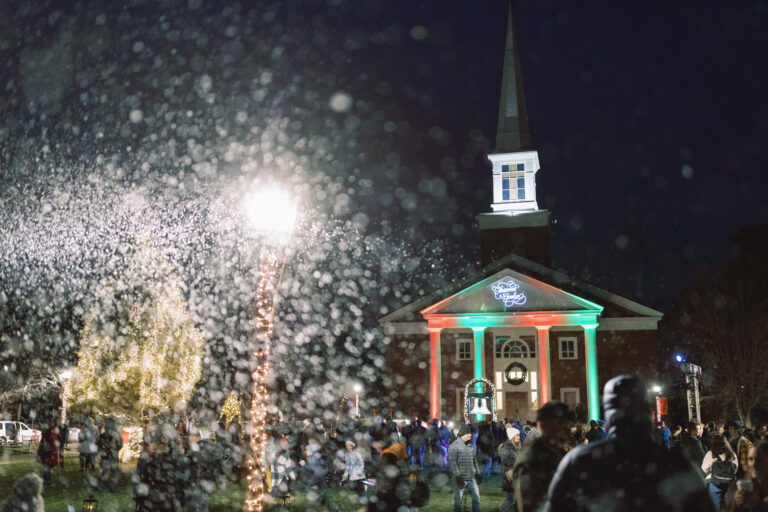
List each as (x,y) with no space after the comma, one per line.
(723,472)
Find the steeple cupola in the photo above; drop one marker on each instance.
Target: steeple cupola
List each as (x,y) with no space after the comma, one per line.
(516,224)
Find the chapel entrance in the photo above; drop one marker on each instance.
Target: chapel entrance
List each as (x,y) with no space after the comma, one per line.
(516,405)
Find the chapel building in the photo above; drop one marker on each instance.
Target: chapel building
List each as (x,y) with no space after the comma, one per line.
(536,333)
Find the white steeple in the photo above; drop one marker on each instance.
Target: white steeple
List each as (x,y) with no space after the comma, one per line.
(515,163)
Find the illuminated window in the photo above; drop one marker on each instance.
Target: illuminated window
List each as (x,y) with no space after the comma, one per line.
(568,348)
(512,182)
(498,380)
(464,350)
(534,400)
(499,400)
(534,382)
(514,349)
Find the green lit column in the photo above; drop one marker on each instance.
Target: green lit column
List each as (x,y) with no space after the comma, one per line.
(478,334)
(590,353)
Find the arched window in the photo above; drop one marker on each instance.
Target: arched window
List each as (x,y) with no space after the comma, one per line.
(514,349)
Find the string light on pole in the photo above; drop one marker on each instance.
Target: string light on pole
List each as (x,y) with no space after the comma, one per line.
(272,214)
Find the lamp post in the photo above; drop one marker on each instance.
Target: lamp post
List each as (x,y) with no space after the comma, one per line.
(65,375)
(272,214)
(357,398)
(692,374)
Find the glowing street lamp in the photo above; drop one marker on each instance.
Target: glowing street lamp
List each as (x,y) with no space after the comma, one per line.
(358,388)
(656,389)
(272,213)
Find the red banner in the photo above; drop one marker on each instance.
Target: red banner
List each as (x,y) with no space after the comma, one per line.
(661,406)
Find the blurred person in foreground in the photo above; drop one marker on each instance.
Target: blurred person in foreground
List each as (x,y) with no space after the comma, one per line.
(629,471)
(751,494)
(538,461)
(26,495)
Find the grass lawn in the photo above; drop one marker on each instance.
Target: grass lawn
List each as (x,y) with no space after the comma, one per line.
(71,487)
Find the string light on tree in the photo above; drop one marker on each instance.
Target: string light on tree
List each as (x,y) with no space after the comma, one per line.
(231,408)
(272,214)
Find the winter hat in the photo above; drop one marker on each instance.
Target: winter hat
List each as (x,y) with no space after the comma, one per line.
(555,411)
(512,432)
(464,430)
(627,405)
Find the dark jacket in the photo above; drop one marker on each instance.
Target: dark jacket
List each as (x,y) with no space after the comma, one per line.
(533,471)
(690,447)
(629,471)
(110,442)
(595,434)
(508,455)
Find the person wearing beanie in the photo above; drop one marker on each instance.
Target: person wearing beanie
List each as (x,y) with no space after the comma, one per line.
(537,462)
(463,466)
(508,451)
(629,471)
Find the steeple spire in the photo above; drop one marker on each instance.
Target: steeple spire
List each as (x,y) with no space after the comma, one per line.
(513,133)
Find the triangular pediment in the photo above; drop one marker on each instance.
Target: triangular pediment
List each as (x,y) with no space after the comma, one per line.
(508,291)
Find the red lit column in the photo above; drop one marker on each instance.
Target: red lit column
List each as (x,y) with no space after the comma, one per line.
(434,372)
(545,379)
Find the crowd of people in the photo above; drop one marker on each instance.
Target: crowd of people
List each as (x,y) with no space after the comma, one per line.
(553,464)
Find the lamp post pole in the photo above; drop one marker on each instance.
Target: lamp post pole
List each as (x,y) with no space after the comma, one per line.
(272,214)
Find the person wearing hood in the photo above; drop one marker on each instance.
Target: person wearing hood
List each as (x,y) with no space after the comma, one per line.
(463,466)
(508,451)
(629,471)
(109,444)
(87,445)
(26,495)
(538,461)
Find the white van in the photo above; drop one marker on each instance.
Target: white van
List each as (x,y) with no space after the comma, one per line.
(16,432)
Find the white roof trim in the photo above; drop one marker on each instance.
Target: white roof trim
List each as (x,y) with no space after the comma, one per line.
(558,277)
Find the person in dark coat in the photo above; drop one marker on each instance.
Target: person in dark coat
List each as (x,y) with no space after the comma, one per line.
(689,445)
(205,458)
(629,471)
(48,451)
(393,482)
(163,474)
(595,433)
(109,444)
(464,470)
(486,447)
(508,452)
(445,441)
(418,442)
(538,461)
(312,478)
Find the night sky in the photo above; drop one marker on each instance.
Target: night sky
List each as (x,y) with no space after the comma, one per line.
(650,117)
